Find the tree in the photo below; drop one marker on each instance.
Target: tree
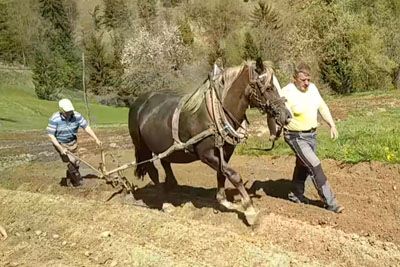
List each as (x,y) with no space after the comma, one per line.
(265,17)
(354,52)
(186,32)
(151,59)
(250,50)
(97,62)
(116,14)
(217,20)
(147,10)
(19,24)
(57,62)
(266,27)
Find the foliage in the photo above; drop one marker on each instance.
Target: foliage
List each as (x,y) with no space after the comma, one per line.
(264,16)
(151,58)
(56,63)
(51,73)
(96,62)
(250,50)
(104,64)
(116,14)
(217,19)
(266,31)
(350,44)
(354,56)
(60,34)
(186,32)
(19,21)
(147,10)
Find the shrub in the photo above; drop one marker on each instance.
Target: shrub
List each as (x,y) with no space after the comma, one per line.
(151,59)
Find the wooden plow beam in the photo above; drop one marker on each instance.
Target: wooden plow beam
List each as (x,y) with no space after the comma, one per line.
(116,178)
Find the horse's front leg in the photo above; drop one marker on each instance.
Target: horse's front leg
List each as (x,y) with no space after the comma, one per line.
(225,171)
(221,178)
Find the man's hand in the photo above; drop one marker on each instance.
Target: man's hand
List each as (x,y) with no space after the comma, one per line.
(63,151)
(99,143)
(334,133)
(89,130)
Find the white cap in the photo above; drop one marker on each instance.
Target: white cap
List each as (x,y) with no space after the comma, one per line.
(65,105)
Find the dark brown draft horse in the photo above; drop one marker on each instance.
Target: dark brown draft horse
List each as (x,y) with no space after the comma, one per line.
(210,119)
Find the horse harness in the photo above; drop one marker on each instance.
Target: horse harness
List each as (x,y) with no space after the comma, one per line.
(220,127)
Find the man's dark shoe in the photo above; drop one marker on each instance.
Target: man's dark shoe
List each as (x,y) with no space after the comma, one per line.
(75,178)
(335,209)
(76,183)
(298,199)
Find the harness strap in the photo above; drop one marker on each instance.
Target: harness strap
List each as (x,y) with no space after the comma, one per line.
(225,129)
(175,122)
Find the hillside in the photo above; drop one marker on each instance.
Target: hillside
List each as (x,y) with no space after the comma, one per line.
(20,108)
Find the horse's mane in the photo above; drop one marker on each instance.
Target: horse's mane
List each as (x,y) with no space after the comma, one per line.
(193,101)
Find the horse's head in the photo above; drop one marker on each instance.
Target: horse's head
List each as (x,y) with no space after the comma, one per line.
(264,93)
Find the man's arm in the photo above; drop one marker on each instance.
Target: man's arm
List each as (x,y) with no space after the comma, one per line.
(89,130)
(55,142)
(326,115)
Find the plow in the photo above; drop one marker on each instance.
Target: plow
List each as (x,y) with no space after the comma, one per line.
(116,178)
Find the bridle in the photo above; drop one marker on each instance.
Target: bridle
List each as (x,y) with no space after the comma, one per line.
(258,94)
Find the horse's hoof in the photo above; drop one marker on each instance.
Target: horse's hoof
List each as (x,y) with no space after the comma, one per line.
(228,205)
(252,216)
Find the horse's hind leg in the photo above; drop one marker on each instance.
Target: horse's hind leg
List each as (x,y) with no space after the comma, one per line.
(170,180)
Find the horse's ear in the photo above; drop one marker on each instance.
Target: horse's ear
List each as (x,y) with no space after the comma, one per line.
(259,65)
(216,71)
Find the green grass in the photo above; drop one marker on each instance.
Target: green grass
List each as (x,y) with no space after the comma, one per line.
(20,109)
(365,136)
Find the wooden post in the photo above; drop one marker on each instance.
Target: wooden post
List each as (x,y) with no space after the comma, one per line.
(84,88)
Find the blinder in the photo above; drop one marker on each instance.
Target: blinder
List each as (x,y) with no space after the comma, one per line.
(259,87)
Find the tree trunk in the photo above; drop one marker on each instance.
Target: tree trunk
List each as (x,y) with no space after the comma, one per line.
(397,79)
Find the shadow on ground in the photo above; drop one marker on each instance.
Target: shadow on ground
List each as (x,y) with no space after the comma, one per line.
(278,189)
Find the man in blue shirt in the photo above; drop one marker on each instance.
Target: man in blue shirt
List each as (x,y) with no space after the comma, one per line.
(63,129)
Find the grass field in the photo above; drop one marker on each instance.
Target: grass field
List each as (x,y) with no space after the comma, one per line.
(20,109)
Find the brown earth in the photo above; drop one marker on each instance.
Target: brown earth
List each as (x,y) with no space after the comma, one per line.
(53,225)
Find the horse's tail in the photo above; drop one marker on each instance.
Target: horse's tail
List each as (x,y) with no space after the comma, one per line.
(134,131)
(140,170)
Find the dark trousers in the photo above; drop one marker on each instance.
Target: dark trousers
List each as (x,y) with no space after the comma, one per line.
(308,164)
(73,163)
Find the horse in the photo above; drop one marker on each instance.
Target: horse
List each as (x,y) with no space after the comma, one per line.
(209,121)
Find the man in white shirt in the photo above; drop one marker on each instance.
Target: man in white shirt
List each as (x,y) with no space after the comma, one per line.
(304,102)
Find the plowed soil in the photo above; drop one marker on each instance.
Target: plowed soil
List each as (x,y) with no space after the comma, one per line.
(53,225)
